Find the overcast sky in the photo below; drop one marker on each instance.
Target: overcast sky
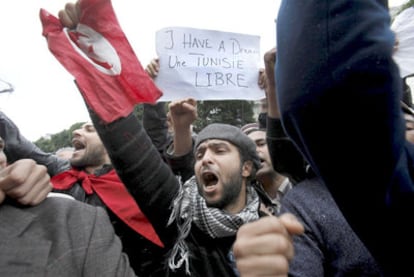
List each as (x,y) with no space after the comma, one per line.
(45,100)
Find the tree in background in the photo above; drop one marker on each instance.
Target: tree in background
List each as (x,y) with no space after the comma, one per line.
(234,112)
(406,6)
(54,142)
(395,11)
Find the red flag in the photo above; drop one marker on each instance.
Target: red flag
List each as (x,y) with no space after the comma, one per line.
(99,56)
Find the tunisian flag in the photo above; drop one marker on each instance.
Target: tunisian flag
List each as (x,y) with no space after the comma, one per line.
(99,56)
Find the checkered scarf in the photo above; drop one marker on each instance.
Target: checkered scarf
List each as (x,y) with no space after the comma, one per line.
(190,206)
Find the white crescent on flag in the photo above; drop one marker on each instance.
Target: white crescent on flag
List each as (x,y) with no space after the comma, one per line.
(95,49)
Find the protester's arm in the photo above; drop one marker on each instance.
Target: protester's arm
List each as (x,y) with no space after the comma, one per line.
(18,147)
(270,83)
(179,153)
(25,181)
(286,158)
(154,121)
(183,114)
(155,116)
(142,170)
(339,92)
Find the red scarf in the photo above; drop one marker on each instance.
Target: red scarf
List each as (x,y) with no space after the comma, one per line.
(115,196)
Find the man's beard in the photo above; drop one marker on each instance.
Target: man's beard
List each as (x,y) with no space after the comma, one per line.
(91,158)
(231,191)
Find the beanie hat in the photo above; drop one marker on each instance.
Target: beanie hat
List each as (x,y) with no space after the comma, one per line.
(233,135)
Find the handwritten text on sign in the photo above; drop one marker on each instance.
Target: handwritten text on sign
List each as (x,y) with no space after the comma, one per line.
(207,65)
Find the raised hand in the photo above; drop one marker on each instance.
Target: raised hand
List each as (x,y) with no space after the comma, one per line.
(69,17)
(183,113)
(153,68)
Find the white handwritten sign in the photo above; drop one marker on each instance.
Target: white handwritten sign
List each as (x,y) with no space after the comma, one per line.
(207,65)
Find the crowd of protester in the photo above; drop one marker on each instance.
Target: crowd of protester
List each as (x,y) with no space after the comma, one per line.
(320,185)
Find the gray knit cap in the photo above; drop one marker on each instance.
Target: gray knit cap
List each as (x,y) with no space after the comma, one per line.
(233,135)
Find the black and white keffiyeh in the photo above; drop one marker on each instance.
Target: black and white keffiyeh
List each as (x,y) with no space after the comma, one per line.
(190,207)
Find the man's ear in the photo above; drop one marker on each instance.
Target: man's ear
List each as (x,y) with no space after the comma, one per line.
(247,169)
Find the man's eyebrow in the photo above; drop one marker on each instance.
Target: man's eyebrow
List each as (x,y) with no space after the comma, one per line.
(217,143)
(208,144)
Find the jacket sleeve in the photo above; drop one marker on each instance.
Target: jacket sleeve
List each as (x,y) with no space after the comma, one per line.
(182,166)
(286,158)
(18,147)
(339,95)
(141,168)
(154,120)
